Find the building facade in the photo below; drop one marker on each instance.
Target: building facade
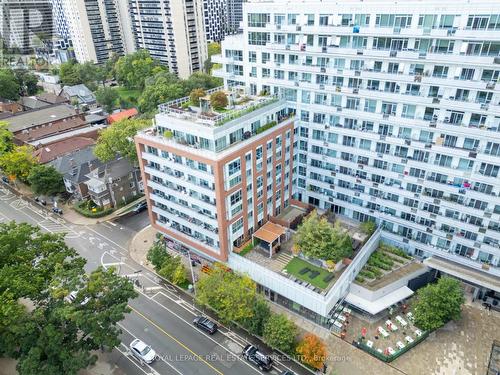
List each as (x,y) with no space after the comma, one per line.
(172,31)
(211,181)
(398,116)
(98,28)
(234,15)
(215,19)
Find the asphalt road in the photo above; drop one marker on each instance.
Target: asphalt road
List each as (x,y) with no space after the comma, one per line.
(159,317)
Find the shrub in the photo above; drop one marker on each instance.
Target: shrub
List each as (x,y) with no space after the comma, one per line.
(86,208)
(218,100)
(195,95)
(269,125)
(368,227)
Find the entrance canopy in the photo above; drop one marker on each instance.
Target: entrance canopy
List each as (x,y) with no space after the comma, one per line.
(269,232)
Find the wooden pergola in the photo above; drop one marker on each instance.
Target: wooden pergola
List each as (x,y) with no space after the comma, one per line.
(271,234)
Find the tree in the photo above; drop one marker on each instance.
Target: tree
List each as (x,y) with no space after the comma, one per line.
(179,276)
(230,294)
(118,139)
(161,88)
(87,72)
(218,100)
(18,162)
(69,74)
(200,80)
(195,96)
(317,238)
(27,82)
(9,87)
(6,138)
(312,351)
(107,97)
(45,180)
(157,255)
(56,336)
(133,69)
(368,227)
(438,303)
(169,266)
(261,313)
(279,333)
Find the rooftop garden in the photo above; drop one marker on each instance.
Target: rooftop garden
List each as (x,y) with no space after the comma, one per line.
(382,262)
(314,275)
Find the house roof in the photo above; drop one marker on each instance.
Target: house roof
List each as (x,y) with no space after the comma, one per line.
(51,98)
(94,118)
(54,150)
(32,102)
(113,169)
(36,117)
(128,113)
(75,166)
(81,91)
(31,135)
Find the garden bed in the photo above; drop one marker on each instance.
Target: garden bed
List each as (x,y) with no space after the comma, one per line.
(310,273)
(89,209)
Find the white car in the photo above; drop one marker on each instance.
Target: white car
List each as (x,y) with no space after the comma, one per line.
(142,351)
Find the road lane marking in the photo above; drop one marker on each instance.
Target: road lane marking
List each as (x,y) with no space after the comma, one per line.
(157,357)
(129,358)
(175,339)
(107,239)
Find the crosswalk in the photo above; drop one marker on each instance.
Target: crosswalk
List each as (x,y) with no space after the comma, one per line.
(53,225)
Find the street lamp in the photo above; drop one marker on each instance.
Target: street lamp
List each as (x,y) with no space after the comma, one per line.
(192,272)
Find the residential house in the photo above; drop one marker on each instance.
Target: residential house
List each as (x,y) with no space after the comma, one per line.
(122,115)
(79,94)
(54,150)
(74,167)
(114,183)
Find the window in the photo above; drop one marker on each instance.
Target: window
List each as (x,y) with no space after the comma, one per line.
(252,56)
(237,225)
(258,19)
(235,198)
(258,38)
(443,160)
(234,167)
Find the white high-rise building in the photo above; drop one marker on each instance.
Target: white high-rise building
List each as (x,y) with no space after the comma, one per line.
(172,31)
(398,116)
(98,28)
(215,19)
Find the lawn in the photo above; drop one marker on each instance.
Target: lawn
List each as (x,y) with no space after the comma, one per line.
(296,265)
(126,93)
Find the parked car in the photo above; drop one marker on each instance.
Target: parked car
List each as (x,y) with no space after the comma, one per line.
(72,297)
(140,207)
(205,324)
(142,351)
(253,355)
(5,180)
(57,210)
(40,201)
(288,372)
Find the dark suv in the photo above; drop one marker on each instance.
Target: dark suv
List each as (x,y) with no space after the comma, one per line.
(205,324)
(253,355)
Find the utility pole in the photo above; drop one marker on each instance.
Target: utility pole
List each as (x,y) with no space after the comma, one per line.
(192,272)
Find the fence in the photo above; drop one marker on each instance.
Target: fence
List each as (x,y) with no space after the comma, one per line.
(389,358)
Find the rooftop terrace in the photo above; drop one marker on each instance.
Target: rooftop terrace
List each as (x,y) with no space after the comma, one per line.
(204,113)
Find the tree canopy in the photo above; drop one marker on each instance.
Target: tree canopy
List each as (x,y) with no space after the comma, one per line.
(118,139)
(6,138)
(55,336)
(261,314)
(18,162)
(279,332)
(218,100)
(312,351)
(160,88)
(133,69)
(27,82)
(438,303)
(9,85)
(230,294)
(68,73)
(107,97)
(317,238)
(45,180)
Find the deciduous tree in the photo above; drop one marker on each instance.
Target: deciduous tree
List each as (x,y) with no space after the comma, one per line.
(317,238)
(107,97)
(261,313)
(438,303)
(133,69)
(9,86)
(117,139)
(312,351)
(18,162)
(230,294)
(55,336)
(161,88)
(279,332)
(45,180)
(6,138)
(27,82)
(68,73)
(195,96)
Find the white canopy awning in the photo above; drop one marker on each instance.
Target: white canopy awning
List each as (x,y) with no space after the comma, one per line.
(374,307)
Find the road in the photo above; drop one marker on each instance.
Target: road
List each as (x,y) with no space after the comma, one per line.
(159,316)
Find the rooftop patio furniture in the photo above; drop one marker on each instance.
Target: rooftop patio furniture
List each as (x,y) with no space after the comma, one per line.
(329,278)
(400,345)
(390,350)
(305,270)
(379,350)
(418,332)
(408,339)
(391,325)
(383,332)
(314,274)
(401,321)
(338,324)
(369,344)
(410,316)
